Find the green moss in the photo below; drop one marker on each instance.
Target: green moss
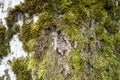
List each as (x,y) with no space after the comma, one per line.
(25,35)
(110,26)
(100,15)
(117,42)
(31,45)
(4,49)
(2,34)
(109,5)
(9,34)
(25,32)
(1,78)
(73,32)
(9,20)
(41,24)
(15,29)
(20,68)
(4,45)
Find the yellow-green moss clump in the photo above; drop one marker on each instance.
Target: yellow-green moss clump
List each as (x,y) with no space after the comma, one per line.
(4,45)
(2,33)
(1,78)
(20,67)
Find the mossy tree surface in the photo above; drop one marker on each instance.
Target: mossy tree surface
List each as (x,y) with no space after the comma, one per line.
(93,24)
